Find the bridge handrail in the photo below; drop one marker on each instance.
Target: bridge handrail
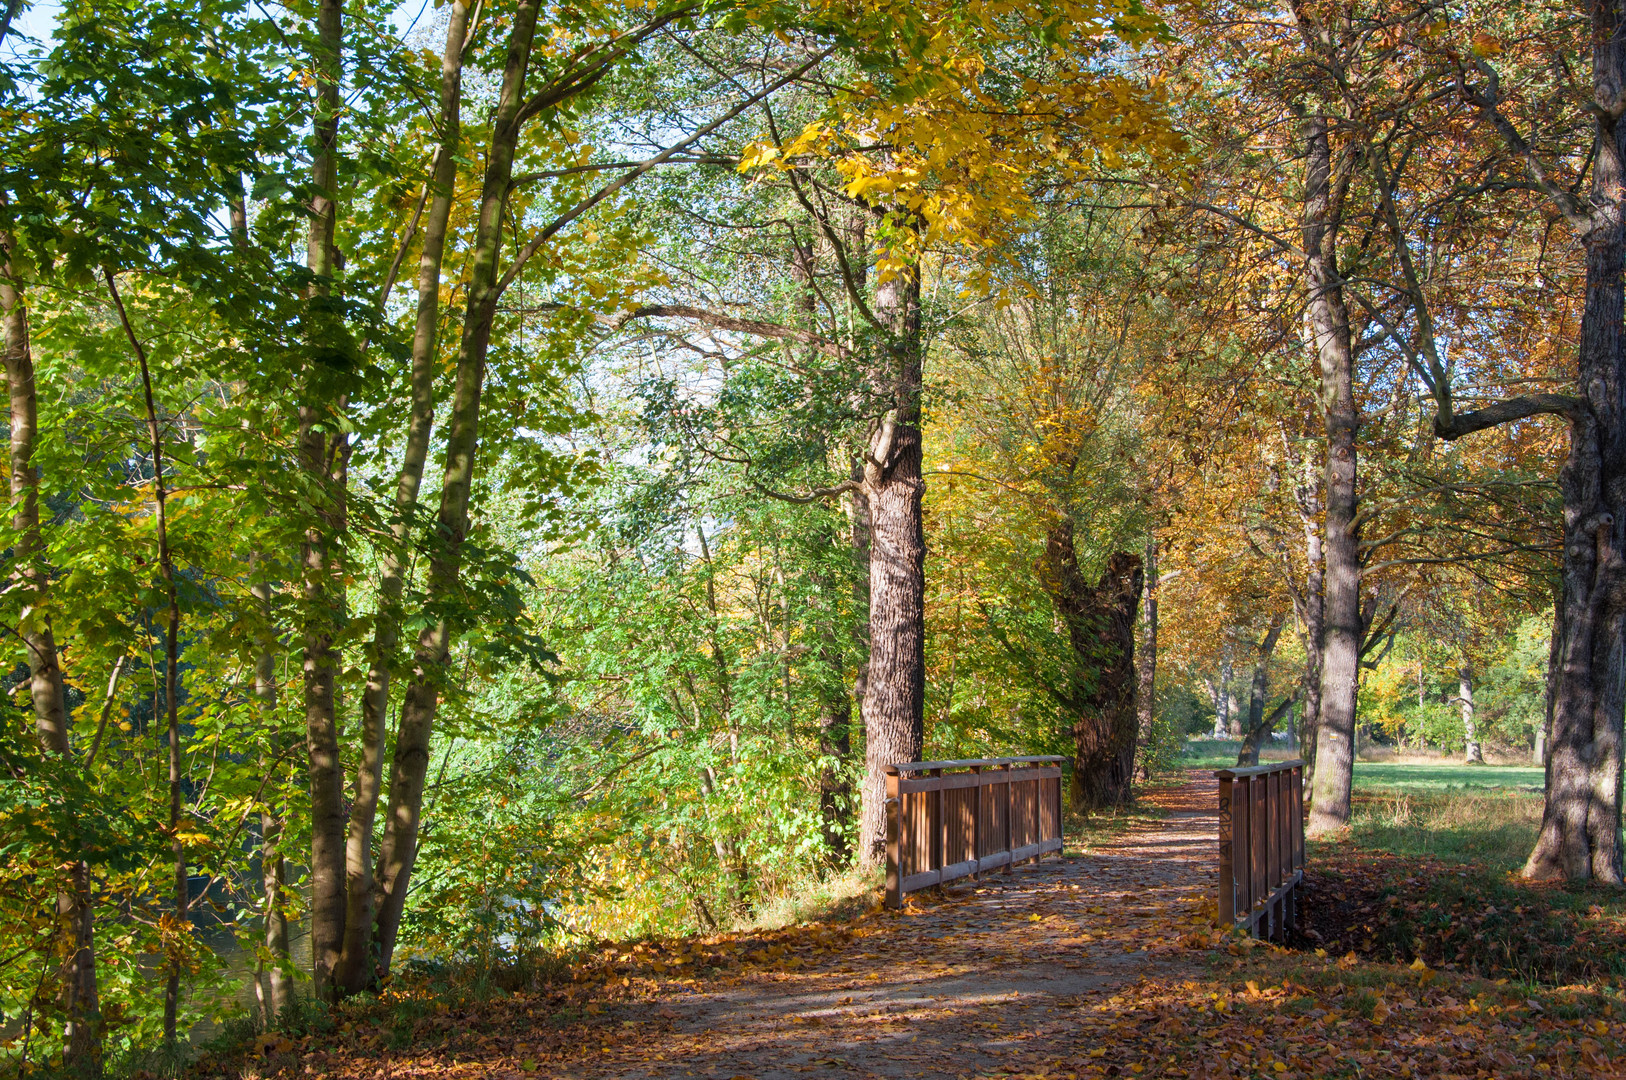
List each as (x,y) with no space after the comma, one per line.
(967,817)
(1261,846)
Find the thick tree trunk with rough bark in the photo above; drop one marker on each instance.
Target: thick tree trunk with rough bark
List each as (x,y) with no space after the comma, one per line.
(1100,696)
(82,1032)
(399,847)
(1327,319)
(1259,726)
(1580,828)
(1146,663)
(895,690)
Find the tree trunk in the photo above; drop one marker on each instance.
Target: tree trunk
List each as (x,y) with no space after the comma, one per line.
(1580,829)
(1100,622)
(1328,322)
(273,987)
(82,1036)
(895,694)
(1465,698)
(1145,701)
(358,966)
(1259,726)
(1308,497)
(399,847)
(82,1032)
(1219,692)
(322,593)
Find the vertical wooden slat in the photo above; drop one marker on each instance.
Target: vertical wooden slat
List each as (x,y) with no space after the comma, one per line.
(894,879)
(1259,832)
(1298,816)
(1227,875)
(1241,818)
(1007,830)
(935,824)
(976,816)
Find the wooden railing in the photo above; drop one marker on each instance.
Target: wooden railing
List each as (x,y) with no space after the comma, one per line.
(950,819)
(1261,847)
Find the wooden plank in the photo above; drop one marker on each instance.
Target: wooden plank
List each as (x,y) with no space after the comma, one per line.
(1258,770)
(1251,921)
(1034,850)
(926,766)
(934,822)
(976,815)
(894,882)
(1259,833)
(1227,876)
(972,779)
(994,861)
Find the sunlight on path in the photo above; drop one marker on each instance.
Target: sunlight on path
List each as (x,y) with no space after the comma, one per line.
(975,980)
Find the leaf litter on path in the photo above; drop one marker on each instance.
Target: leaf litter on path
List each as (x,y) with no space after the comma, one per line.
(1105,964)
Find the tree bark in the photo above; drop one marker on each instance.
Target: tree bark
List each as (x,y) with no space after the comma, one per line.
(1308,497)
(895,693)
(1580,829)
(399,847)
(1100,697)
(318,455)
(1474,755)
(82,1036)
(1259,726)
(1145,701)
(273,987)
(1328,323)
(358,966)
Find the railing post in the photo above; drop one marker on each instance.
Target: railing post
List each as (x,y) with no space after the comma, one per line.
(936,824)
(894,862)
(1009,807)
(976,820)
(1227,874)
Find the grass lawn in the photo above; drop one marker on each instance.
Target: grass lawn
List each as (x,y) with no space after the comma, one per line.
(1447,776)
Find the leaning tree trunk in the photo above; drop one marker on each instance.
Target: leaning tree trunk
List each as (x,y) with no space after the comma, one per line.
(1145,700)
(1328,321)
(357,969)
(895,690)
(1100,695)
(1473,754)
(82,1033)
(398,849)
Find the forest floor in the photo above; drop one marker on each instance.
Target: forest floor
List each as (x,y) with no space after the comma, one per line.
(1101,964)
